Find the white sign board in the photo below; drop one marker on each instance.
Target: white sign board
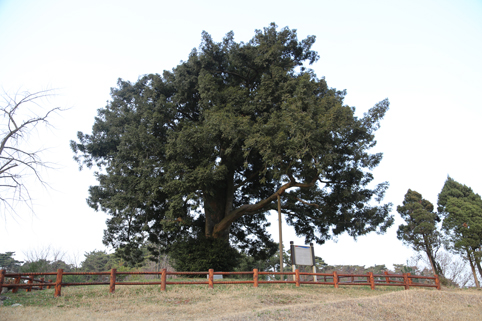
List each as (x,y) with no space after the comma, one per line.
(303,255)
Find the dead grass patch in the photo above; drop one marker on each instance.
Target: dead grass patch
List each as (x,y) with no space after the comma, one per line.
(244,302)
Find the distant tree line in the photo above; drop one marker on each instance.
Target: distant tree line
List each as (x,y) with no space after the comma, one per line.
(48,260)
(100,261)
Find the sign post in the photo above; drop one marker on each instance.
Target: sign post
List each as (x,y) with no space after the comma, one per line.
(280,240)
(303,255)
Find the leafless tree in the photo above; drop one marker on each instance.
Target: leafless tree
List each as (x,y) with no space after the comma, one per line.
(20,114)
(454,268)
(49,259)
(46,253)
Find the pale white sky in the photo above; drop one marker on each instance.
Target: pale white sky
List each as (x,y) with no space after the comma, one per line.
(423,55)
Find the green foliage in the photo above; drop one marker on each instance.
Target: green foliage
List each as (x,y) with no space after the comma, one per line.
(132,255)
(377,268)
(320,263)
(45,265)
(208,147)
(420,230)
(248,263)
(462,211)
(101,261)
(354,269)
(41,265)
(97,261)
(8,263)
(201,254)
(402,268)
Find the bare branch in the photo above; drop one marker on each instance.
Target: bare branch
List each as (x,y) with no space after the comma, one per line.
(21,114)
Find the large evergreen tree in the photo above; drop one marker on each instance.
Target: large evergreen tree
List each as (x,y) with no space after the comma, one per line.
(462,211)
(206,148)
(420,230)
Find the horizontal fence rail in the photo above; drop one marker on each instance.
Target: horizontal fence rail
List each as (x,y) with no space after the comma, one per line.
(336,279)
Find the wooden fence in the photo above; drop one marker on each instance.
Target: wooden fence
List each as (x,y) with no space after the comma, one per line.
(406,280)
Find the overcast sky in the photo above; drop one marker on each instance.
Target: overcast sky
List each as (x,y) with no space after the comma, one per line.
(425,56)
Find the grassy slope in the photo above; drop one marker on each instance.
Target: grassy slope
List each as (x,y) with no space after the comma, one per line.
(243,302)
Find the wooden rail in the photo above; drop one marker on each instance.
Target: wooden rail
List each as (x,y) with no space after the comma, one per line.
(18,277)
(370,279)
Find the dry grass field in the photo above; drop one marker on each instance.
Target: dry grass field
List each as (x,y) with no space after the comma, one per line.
(244,302)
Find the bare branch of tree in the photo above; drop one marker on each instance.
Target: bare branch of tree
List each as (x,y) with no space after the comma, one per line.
(20,114)
(454,268)
(46,253)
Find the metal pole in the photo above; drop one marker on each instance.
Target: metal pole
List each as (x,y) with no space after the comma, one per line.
(280,239)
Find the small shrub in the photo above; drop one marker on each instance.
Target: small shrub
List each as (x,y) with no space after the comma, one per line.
(201,254)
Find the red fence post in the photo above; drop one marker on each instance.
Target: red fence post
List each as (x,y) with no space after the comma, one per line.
(372,280)
(211,279)
(2,278)
(437,282)
(409,278)
(112,280)
(42,280)
(405,281)
(50,285)
(387,279)
(30,281)
(297,275)
(255,278)
(58,283)
(17,281)
(335,279)
(163,279)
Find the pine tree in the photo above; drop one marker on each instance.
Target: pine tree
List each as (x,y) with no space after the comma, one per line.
(462,211)
(205,149)
(420,230)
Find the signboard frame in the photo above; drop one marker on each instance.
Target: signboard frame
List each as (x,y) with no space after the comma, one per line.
(303,255)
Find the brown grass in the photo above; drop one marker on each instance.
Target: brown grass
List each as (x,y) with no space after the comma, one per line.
(243,302)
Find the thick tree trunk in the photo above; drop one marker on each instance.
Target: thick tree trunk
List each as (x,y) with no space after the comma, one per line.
(217,206)
(214,209)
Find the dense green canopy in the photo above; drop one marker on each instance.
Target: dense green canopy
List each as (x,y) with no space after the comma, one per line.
(206,148)
(420,230)
(462,211)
